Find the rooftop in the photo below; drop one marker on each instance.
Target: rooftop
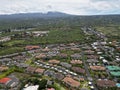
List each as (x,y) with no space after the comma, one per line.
(54,61)
(76,62)
(100,68)
(106,83)
(112,68)
(71,82)
(4,80)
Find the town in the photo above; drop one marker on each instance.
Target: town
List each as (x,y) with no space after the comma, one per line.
(62,66)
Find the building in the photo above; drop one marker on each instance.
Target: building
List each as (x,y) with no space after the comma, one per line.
(71,82)
(3,68)
(66,65)
(4,39)
(40,33)
(105,83)
(76,62)
(31,47)
(97,68)
(54,61)
(39,71)
(9,82)
(30,69)
(78,70)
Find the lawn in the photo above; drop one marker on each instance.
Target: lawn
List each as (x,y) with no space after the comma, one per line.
(10,50)
(14,43)
(58,87)
(113,32)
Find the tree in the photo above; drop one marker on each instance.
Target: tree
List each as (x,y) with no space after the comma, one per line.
(42,84)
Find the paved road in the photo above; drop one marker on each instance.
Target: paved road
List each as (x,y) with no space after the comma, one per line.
(87,71)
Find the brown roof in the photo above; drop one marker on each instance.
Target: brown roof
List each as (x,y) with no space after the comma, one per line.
(106,83)
(76,62)
(63,55)
(75,49)
(3,68)
(92,57)
(39,70)
(54,61)
(89,52)
(19,58)
(78,70)
(100,68)
(32,47)
(59,76)
(31,69)
(41,56)
(71,82)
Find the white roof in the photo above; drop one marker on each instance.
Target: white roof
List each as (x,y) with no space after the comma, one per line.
(32,87)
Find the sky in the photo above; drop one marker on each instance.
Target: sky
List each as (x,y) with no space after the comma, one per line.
(76,7)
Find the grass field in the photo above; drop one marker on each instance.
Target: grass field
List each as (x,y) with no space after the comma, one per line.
(113,32)
(11,50)
(59,87)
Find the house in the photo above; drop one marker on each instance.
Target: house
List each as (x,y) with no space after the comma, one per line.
(113,68)
(105,83)
(40,33)
(78,70)
(19,58)
(76,62)
(14,81)
(92,57)
(3,68)
(22,65)
(50,89)
(66,65)
(76,56)
(4,39)
(49,73)
(30,69)
(41,56)
(39,71)
(58,76)
(31,47)
(54,61)
(71,82)
(31,87)
(5,61)
(87,47)
(92,61)
(63,55)
(89,52)
(97,68)
(75,49)
(9,82)
(5,80)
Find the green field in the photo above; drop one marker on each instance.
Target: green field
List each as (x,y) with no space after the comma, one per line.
(11,50)
(112,32)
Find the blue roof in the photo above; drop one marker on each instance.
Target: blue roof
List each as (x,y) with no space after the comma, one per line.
(118,85)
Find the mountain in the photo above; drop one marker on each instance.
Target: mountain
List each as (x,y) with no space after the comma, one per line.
(34,15)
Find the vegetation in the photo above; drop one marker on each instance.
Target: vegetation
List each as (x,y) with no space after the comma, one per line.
(11,70)
(10,50)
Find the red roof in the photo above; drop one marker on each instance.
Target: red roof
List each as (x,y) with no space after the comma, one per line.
(4,80)
(50,89)
(32,47)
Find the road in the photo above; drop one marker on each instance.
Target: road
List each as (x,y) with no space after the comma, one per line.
(89,78)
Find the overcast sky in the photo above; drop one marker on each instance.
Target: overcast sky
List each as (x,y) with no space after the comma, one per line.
(78,7)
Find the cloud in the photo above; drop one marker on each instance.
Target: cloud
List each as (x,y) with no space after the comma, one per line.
(79,7)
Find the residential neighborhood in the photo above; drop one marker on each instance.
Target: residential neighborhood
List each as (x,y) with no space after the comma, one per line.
(77,66)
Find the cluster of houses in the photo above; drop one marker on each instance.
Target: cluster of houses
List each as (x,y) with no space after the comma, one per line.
(65,63)
(28,34)
(9,82)
(5,39)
